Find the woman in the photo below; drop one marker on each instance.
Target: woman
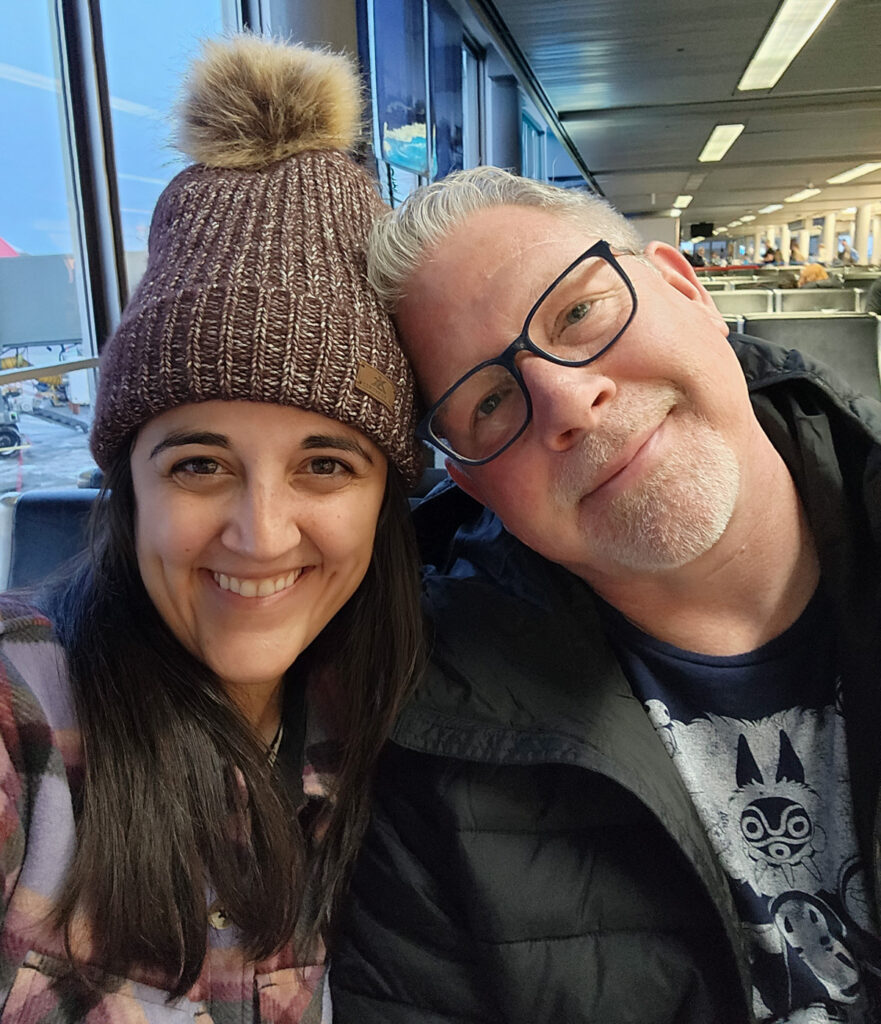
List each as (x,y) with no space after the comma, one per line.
(251,573)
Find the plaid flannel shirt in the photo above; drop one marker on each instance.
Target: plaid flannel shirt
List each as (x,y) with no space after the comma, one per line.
(40,773)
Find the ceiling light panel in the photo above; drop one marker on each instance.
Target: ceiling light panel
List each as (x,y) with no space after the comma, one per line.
(854,172)
(694,181)
(681,202)
(747,217)
(721,139)
(793,26)
(772,208)
(805,193)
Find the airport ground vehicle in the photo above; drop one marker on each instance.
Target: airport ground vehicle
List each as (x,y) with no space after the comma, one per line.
(10,438)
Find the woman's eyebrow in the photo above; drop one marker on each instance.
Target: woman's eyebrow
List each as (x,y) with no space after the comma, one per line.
(346,444)
(181,437)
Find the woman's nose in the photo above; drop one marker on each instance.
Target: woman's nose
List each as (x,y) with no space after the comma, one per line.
(264,523)
(567,401)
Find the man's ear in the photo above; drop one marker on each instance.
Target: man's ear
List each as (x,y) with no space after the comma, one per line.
(459,476)
(678,272)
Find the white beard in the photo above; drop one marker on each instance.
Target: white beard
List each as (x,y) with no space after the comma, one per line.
(675,513)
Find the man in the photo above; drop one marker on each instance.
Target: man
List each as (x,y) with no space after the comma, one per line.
(638,781)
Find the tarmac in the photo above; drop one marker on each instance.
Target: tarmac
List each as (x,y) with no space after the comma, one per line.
(53,454)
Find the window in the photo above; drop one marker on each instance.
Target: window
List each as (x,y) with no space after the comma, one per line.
(532,148)
(472,69)
(445,72)
(43,417)
(415,53)
(145,48)
(400,87)
(45,310)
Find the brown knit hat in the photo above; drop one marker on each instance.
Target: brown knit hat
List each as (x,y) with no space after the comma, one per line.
(256,285)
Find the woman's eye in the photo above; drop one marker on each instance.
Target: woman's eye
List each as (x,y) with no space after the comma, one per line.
(197,466)
(577,313)
(326,466)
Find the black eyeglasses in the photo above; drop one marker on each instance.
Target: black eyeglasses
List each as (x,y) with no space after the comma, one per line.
(577,318)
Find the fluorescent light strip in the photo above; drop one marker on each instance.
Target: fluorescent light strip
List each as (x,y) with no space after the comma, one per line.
(681,202)
(795,23)
(721,139)
(854,172)
(805,193)
(747,217)
(772,208)
(675,213)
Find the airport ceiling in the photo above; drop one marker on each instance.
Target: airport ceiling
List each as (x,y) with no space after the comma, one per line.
(639,85)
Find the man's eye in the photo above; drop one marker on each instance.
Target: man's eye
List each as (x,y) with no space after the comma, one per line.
(577,313)
(489,405)
(199,466)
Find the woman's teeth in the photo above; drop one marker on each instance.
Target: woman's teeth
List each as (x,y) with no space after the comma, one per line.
(257,588)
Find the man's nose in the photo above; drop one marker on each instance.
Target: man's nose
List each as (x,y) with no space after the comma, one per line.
(567,401)
(263,523)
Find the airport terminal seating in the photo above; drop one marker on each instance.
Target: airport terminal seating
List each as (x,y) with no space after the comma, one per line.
(742,303)
(846,342)
(803,300)
(49,527)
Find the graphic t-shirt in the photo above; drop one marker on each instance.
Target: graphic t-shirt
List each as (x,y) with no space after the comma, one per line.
(759,741)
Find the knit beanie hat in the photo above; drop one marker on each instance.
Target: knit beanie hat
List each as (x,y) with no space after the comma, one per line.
(256,285)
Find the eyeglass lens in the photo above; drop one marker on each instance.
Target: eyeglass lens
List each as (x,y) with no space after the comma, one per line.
(574,323)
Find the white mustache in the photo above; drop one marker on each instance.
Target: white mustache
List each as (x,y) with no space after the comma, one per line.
(634,411)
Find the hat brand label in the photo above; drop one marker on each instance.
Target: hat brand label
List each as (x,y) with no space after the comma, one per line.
(375,383)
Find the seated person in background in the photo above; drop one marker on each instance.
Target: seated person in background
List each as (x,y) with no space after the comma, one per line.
(770,256)
(812,275)
(796,256)
(640,779)
(699,260)
(847,255)
(170,852)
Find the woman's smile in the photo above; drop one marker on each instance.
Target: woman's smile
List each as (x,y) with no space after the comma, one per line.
(267,586)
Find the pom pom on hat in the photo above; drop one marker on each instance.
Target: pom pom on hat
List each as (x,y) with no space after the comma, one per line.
(251,101)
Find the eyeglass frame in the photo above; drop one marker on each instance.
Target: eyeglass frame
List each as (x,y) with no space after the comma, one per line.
(523,343)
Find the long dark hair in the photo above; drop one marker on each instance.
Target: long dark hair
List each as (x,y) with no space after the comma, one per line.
(169,762)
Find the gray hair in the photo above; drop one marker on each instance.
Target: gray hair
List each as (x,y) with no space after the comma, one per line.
(400,241)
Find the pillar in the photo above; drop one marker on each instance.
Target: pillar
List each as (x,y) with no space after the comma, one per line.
(804,237)
(876,240)
(862,226)
(785,242)
(829,241)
